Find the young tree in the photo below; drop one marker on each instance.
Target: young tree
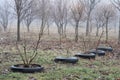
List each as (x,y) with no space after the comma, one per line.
(108,12)
(30,16)
(76,14)
(99,19)
(49,16)
(49,21)
(60,16)
(21,7)
(43,13)
(89,7)
(116,3)
(4,15)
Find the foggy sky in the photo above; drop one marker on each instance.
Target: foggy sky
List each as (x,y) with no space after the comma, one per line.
(103,1)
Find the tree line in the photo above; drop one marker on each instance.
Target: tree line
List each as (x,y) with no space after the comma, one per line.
(61,13)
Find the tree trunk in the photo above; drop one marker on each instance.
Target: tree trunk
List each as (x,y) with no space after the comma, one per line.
(28,28)
(48,27)
(115,27)
(58,29)
(97,31)
(60,40)
(65,31)
(62,30)
(76,32)
(5,28)
(119,33)
(91,27)
(42,27)
(106,30)
(60,34)
(18,29)
(87,26)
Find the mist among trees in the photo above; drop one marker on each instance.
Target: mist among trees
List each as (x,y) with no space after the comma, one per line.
(91,14)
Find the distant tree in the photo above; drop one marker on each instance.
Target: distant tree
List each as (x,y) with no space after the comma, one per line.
(116,3)
(99,19)
(49,21)
(30,16)
(89,7)
(108,12)
(49,17)
(43,13)
(60,16)
(4,15)
(76,15)
(21,8)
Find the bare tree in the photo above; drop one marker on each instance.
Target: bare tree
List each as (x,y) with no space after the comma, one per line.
(49,22)
(76,13)
(49,17)
(21,7)
(60,15)
(4,15)
(99,19)
(116,3)
(27,59)
(108,12)
(30,16)
(89,7)
(43,13)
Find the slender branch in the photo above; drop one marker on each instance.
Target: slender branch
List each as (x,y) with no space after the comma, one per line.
(25,52)
(20,53)
(99,39)
(36,48)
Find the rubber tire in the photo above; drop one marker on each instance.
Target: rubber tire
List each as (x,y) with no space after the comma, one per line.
(15,68)
(86,56)
(72,60)
(109,49)
(98,52)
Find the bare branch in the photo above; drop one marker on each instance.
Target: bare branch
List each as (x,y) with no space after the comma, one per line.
(21,8)
(4,15)
(76,15)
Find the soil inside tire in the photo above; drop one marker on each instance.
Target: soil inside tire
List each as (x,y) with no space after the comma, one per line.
(27,66)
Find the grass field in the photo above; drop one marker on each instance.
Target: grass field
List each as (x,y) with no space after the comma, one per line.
(102,68)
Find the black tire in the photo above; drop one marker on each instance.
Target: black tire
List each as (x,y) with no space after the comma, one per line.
(86,56)
(72,60)
(97,52)
(17,68)
(109,49)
